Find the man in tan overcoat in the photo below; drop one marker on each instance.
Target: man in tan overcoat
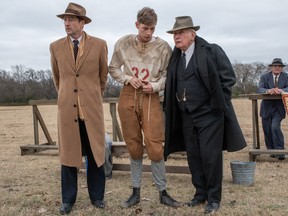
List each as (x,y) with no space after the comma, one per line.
(79,67)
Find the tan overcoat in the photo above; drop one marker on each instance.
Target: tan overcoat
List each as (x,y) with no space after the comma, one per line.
(88,81)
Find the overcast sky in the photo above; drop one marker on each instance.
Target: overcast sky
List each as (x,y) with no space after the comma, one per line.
(248,31)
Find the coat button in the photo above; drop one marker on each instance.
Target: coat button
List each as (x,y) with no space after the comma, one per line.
(75,120)
(75,105)
(77,75)
(75,90)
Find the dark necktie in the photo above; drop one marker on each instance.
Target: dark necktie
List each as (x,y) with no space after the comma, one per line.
(75,48)
(184,60)
(276,82)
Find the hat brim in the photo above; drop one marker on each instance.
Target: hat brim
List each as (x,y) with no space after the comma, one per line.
(196,28)
(277,64)
(86,19)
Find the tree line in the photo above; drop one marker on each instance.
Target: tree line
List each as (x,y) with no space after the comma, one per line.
(21,84)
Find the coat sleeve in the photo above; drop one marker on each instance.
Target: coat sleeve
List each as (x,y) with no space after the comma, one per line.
(115,65)
(165,57)
(263,86)
(103,67)
(285,86)
(54,68)
(225,72)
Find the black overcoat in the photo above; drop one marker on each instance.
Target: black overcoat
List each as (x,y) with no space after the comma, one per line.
(215,71)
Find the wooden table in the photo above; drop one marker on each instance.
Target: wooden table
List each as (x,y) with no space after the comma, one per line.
(118,145)
(255,123)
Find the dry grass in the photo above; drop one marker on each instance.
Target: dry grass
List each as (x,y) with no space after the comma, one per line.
(30,185)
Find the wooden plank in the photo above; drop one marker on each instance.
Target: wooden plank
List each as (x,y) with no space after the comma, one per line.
(263,96)
(43,125)
(147,168)
(42,102)
(268,151)
(35,125)
(117,134)
(54,102)
(253,153)
(255,124)
(31,149)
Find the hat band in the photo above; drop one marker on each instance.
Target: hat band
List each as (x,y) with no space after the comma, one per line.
(72,11)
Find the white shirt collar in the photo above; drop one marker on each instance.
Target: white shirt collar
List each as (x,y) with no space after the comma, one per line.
(189,52)
(79,39)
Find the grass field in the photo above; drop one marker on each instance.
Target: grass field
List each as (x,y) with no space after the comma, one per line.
(30,185)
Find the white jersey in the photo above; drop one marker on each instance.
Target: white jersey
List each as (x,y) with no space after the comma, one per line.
(147,61)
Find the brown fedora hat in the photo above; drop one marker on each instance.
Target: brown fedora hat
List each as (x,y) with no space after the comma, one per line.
(183,22)
(74,9)
(277,61)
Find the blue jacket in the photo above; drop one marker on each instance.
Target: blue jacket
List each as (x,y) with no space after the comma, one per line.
(266,82)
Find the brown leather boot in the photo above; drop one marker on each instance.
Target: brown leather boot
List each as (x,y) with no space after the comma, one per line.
(133,199)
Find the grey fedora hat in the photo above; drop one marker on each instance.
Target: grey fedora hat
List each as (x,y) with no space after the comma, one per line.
(277,61)
(183,22)
(74,9)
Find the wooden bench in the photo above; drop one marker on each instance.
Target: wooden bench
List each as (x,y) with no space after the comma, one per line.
(118,149)
(31,149)
(255,152)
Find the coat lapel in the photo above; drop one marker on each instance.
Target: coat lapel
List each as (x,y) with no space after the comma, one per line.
(202,71)
(281,81)
(175,59)
(270,81)
(67,50)
(87,47)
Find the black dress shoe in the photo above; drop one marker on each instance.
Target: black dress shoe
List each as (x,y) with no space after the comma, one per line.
(133,199)
(195,202)
(65,208)
(281,157)
(211,207)
(100,204)
(273,156)
(168,200)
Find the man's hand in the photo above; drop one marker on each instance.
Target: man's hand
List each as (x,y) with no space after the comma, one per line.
(136,82)
(274,91)
(278,91)
(147,87)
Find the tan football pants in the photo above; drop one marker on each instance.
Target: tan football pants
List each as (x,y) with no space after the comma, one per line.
(141,116)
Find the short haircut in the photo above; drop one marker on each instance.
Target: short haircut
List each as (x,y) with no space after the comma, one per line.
(147,16)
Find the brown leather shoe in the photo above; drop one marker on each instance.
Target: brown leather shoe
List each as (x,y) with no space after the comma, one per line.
(168,200)
(133,199)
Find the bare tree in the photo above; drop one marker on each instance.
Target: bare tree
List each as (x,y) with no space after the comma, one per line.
(247,77)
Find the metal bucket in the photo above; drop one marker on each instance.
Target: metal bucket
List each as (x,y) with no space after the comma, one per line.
(243,172)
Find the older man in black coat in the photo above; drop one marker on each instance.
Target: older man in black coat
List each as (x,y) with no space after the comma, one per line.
(199,114)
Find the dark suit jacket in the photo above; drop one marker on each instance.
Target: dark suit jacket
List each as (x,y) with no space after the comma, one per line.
(266,82)
(215,71)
